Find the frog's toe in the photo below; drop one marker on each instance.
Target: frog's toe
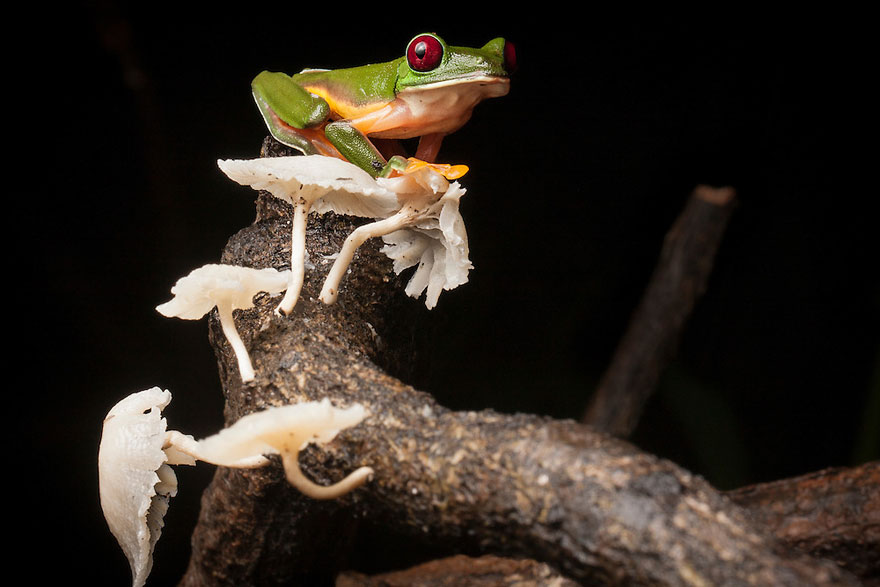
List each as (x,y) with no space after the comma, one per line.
(444,169)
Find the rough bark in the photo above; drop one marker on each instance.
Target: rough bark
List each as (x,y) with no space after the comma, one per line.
(652,337)
(463,571)
(833,513)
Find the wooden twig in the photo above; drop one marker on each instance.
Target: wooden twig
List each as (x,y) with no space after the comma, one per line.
(652,337)
(595,508)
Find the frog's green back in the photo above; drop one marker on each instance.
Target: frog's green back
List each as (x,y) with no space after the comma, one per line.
(358,85)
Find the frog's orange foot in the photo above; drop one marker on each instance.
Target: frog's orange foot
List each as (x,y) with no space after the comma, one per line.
(444,169)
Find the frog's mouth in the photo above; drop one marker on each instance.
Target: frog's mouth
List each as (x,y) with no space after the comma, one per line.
(494,86)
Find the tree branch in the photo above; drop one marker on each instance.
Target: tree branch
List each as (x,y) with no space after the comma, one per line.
(651,339)
(833,513)
(595,508)
(463,571)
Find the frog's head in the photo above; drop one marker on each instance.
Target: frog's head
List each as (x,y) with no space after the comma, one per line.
(429,60)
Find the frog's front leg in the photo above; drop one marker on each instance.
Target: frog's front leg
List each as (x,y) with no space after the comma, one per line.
(426,155)
(293,115)
(429,147)
(358,149)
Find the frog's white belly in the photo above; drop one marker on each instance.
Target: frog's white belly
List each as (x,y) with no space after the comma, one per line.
(443,107)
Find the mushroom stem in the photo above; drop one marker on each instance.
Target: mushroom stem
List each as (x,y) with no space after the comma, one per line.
(308,487)
(231,332)
(401,219)
(187,445)
(297,257)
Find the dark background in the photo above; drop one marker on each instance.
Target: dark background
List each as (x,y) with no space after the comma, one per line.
(575,177)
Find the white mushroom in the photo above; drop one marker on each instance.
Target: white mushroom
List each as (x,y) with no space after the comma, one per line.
(419,192)
(228,287)
(136,482)
(285,431)
(438,244)
(422,199)
(303,181)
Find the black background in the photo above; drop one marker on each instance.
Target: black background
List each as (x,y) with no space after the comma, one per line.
(575,177)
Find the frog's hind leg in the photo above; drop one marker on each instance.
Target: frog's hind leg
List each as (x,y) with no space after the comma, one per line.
(290,136)
(294,116)
(308,141)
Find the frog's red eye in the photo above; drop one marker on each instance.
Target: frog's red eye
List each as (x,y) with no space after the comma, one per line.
(424,53)
(509,57)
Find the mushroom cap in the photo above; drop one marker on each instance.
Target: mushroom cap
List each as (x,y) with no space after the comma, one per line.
(135,484)
(437,244)
(328,184)
(215,284)
(279,430)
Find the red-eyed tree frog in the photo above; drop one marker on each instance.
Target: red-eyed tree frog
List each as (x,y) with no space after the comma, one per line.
(358,114)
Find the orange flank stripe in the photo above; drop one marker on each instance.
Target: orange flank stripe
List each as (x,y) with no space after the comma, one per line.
(344,109)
